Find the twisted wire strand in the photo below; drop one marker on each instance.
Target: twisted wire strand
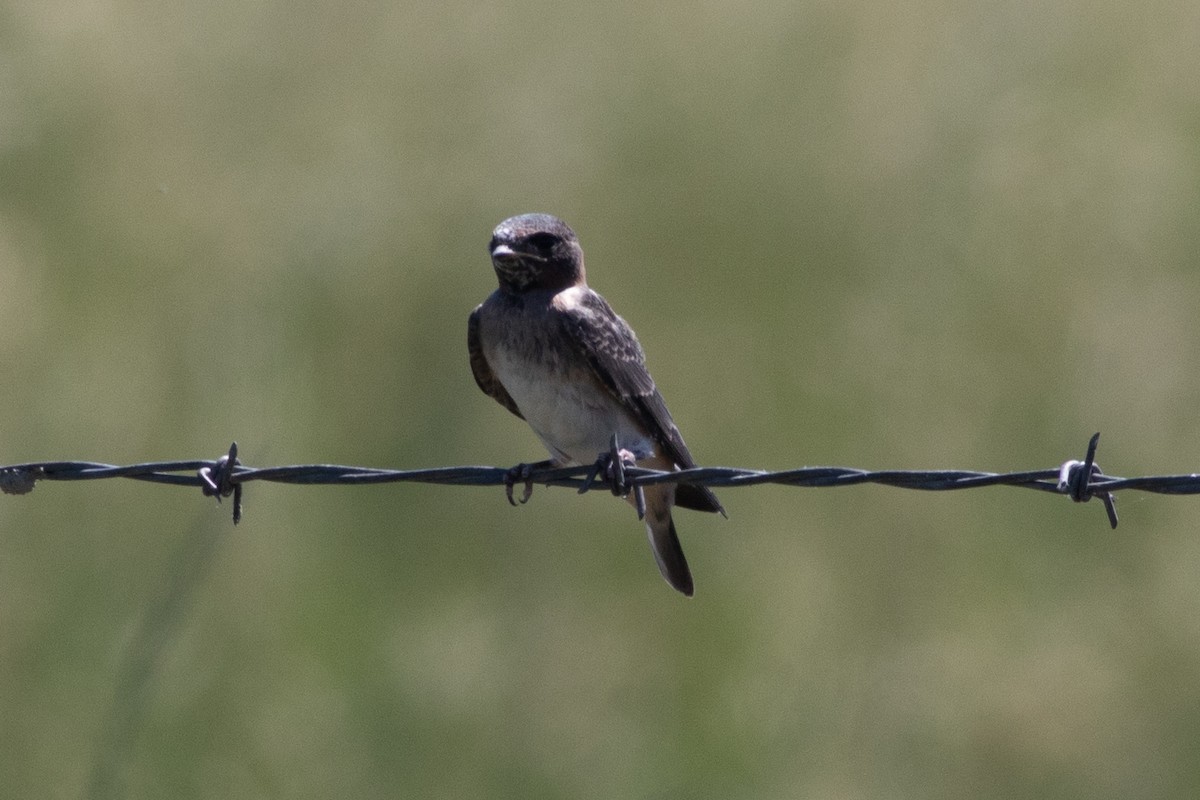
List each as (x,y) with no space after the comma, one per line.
(225,476)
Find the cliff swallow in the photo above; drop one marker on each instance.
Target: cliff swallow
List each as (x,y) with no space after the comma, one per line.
(553,352)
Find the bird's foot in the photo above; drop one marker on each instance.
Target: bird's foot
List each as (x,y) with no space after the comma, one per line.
(523,473)
(613,463)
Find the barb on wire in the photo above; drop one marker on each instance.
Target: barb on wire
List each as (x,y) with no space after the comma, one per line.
(218,481)
(225,476)
(1075,477)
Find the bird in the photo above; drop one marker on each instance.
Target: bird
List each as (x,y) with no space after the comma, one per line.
(552,351)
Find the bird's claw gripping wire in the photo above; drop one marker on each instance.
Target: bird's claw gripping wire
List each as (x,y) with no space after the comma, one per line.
(522,473)
(1075,480)
(518,474)
(613,464)
(218,481)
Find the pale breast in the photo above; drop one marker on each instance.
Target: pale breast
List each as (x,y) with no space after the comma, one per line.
(571,412)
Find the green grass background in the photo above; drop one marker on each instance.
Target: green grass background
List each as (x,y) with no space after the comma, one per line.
(905,235)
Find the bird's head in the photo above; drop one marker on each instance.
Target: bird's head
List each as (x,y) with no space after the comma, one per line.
(536,251)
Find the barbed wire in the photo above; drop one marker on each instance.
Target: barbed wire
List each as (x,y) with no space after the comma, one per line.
(226,476)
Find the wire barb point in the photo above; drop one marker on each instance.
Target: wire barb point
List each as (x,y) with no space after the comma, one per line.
(218,480)
(1075,480)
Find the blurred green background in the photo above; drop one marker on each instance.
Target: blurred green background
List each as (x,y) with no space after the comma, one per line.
(909,235)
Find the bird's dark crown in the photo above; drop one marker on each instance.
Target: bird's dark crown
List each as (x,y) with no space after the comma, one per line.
(536,251)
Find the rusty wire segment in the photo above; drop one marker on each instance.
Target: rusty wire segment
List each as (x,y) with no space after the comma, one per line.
(226,476)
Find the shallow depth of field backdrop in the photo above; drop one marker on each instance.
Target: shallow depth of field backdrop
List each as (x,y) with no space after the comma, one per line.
(908,235)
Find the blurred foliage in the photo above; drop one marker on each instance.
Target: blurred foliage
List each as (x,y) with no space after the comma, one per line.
(923,234)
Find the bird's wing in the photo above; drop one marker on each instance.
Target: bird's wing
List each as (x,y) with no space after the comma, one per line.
(482,371)
(611,349)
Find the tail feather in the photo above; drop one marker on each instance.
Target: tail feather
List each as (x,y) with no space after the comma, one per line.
(668,552)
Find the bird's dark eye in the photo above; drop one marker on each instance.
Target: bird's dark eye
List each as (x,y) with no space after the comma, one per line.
(543,241)
(492,244)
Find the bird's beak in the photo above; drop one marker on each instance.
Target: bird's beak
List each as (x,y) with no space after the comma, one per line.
(506,255)
(503,252)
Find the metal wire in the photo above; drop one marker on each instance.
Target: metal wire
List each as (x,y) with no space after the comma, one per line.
(226,476)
